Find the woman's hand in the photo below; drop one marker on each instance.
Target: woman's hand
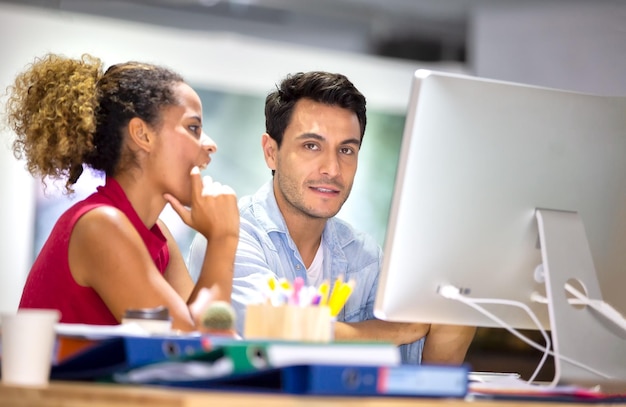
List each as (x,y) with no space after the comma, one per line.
(213,211)
(202,306)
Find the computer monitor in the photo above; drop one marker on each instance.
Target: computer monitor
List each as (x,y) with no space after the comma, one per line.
(478,159)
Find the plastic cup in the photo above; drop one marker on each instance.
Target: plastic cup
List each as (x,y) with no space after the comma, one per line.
(28,339)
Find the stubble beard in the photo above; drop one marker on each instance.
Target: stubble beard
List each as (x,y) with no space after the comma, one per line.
(293,197)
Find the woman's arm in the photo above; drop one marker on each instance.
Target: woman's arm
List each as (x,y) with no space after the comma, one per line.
(214,214)
(176,272)
(107,254)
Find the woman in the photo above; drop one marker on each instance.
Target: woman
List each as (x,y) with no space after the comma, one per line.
(141,125)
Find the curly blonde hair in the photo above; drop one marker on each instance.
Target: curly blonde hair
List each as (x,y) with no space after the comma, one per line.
(66,112)
(51,109)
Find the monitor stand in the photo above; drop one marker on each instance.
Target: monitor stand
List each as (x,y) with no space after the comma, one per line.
(584,327)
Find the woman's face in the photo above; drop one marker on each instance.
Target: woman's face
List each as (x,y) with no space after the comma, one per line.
(182,144)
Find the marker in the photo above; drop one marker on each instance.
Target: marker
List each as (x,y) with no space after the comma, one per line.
(284,284)
(271,283)
(316,298)
(335,290)
(271,294)
(339,300)
(308,296)
(323,292)
(298,283)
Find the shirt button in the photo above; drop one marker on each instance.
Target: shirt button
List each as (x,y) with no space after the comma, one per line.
(297,267)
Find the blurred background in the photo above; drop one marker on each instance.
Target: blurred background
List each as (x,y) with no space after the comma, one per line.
(234,51)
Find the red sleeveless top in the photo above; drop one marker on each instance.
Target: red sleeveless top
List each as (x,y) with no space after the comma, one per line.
(50,283)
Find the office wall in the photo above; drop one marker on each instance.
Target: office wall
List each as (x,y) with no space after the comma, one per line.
(223,62)
(578,46)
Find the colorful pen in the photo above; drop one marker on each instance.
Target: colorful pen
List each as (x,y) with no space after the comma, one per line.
(339,300)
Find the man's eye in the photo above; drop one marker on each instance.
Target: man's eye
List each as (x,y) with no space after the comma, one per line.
(347,151)
(311,146)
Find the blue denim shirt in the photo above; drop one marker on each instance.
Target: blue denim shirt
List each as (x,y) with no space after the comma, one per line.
(265,249)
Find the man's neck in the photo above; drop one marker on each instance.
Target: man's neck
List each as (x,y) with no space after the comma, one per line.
(306,233)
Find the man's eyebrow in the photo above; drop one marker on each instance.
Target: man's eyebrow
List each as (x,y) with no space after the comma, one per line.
(318,137)
(354,141)
(310,135)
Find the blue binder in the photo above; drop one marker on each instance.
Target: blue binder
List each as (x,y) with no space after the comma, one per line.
(403,380)
(345,380)
(118,354)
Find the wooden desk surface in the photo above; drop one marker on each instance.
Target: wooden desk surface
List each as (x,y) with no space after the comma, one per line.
(68,394)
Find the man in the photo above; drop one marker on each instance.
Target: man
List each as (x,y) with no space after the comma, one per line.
(315,123)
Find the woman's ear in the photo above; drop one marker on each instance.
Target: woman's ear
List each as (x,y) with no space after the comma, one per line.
(139,133)
(270,149)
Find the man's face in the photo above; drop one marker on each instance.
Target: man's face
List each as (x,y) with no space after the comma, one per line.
(317,160)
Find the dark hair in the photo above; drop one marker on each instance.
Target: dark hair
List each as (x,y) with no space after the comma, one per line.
(66,112)
(323,87)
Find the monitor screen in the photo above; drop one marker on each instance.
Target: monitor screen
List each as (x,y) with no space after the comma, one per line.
(478,157)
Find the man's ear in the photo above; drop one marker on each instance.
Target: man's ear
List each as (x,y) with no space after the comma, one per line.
(270,150)
(139,133)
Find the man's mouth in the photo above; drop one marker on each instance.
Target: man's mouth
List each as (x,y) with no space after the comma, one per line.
(326,190)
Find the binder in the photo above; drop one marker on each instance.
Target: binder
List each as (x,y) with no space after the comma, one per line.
(111,355)
(241,357)
(279,353)
(432,381)
(170,355)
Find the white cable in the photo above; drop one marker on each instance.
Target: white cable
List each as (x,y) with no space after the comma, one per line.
(454,293)
(600,306)
(545,349)
(473,302)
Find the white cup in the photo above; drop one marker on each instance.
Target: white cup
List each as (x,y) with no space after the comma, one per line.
(28,339)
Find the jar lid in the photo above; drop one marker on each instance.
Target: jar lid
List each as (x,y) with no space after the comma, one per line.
(160,313)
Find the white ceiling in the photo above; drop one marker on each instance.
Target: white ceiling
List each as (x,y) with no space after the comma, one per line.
(426,30)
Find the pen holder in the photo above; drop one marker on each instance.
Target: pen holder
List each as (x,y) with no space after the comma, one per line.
(289,322)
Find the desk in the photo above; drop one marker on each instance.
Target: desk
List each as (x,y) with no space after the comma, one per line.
(68,394)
